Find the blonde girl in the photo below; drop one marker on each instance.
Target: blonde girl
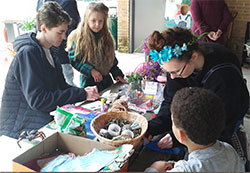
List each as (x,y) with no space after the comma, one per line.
(91,49)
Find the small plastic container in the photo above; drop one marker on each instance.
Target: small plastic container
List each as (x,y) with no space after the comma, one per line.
(102,105)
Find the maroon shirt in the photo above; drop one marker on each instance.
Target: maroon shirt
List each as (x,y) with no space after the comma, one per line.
(210,15)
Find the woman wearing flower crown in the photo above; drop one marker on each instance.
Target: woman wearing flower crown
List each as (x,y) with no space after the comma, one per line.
(192,64)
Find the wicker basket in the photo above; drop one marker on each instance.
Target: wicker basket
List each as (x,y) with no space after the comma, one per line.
(100,121)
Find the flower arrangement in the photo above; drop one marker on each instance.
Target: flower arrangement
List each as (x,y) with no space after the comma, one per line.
(133,77)
(144,46)
(151,70)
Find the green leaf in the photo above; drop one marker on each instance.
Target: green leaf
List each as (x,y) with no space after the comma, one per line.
(133,77)
(139,47)
(28,24)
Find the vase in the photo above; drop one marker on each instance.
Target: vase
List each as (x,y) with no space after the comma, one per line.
(134,93)
(136,85)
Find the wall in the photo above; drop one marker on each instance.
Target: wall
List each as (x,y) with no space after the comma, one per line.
(123,25)
(148,16)
(145,16)
(239,25)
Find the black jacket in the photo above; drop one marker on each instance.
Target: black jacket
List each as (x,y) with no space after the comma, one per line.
(227,83)
(33,88)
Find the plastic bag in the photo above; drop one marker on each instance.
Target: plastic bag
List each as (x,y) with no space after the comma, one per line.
(70,123)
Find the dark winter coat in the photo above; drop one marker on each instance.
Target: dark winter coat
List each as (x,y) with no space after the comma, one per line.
(227,83)
(33,88)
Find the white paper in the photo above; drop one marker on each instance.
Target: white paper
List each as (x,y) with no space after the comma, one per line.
(150,88)
(93,106)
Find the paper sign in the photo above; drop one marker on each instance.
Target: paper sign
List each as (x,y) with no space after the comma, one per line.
(150,88)
(93,106)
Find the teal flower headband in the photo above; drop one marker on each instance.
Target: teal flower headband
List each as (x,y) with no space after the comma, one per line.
(167,53)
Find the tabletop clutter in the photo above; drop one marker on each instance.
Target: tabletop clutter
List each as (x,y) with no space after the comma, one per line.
(116,120)
(95,160)
(115,127)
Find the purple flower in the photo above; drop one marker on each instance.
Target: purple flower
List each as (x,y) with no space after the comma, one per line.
(145,46)
(151,70)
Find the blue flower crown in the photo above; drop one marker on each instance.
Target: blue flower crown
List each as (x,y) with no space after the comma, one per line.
(167,53)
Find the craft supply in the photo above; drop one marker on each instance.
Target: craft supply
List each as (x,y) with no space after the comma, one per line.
(111,98)
(102,105)
(120,105)
(85,113)
(114,129)
(93,106)
(128,132)
(103,121)
(70,123)
(104,132)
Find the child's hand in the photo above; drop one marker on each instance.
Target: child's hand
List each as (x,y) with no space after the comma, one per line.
(162,166)
(120,79)
(92,93)
(96,75)
(165,142)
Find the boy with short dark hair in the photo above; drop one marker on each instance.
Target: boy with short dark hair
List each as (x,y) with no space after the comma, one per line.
(198,118)
(35,85)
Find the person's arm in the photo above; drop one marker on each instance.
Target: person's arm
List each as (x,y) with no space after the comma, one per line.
(198,18)
(29,72)
(85,68)
(227,18)
(160,166)
(162,122)
(115,70)
(150,169)
(230,87)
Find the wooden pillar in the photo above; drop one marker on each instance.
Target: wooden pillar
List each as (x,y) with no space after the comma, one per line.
(123,25)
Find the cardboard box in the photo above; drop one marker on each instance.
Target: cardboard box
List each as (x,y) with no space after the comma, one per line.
(58,141)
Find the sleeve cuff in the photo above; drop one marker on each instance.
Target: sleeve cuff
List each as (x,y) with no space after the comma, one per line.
(151,170)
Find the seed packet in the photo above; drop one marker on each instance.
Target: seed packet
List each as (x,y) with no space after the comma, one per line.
(70,123)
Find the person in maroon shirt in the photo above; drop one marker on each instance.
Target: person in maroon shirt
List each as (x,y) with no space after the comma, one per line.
(210,16)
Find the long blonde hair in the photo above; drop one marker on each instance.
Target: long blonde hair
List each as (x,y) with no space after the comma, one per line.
(84,39)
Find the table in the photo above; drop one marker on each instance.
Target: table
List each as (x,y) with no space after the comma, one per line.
(9,148)
(143,157)
(115,89)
